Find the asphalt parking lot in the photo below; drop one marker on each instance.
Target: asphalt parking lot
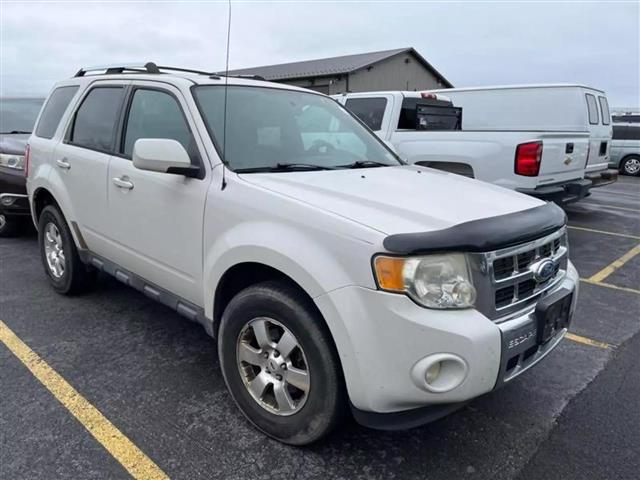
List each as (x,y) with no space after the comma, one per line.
(138,389)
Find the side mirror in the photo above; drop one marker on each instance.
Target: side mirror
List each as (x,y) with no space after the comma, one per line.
(163,155)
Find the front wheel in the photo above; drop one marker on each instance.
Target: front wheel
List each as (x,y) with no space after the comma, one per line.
(280,364)
(631,166)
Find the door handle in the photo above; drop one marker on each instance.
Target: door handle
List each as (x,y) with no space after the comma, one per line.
(123,182)
(63,163)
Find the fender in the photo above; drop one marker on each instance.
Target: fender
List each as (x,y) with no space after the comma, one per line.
(281,250)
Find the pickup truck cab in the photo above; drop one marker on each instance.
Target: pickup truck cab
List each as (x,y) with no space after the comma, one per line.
(548,141)
(334,276)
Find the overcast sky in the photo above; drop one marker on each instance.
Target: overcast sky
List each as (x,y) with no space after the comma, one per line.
(470,43)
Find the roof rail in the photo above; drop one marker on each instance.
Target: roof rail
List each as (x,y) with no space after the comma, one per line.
(250,77)
(148,67)
(152,68)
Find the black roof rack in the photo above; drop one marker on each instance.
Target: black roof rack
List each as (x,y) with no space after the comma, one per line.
(250,77)
(148,67)
(152,68)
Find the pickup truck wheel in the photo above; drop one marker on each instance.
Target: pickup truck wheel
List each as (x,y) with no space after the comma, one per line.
(67,274)
(280,365)
(631,166)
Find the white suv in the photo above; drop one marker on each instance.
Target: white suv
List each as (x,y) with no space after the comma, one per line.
(333,276)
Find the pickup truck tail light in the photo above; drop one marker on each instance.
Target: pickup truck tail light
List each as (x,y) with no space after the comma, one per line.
(27,155)
(528,157)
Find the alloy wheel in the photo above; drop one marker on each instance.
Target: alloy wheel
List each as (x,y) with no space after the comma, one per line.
(273,366)
(632,166)
(53,250)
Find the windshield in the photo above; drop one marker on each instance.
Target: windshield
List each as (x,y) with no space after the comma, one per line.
(273,130)
(18,115)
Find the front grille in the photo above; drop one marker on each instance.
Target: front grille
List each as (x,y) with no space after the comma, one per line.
(503,267)
(505,278)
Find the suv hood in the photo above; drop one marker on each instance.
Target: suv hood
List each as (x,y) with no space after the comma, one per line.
(14,144)
(401,199)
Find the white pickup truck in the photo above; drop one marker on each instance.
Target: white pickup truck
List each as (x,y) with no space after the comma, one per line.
(549,141)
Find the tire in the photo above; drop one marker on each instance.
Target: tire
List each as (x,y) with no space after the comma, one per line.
(631,166)
(69,275)
(311,414)
(9,226)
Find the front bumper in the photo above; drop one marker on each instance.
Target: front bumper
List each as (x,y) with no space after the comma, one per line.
(382,338)
(561,194)
(13,193)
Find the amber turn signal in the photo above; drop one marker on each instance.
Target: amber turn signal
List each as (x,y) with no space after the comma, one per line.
(389,273)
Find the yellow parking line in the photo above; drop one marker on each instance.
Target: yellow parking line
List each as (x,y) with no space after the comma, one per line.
(608,285)
(609,269)
(604,232)
(610,206)
(119,446)
(587,341)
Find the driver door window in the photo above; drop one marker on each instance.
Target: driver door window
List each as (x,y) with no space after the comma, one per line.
(157,114)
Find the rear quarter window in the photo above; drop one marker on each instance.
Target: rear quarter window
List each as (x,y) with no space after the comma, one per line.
(369,110)
(626,132)
(54,110)
(592,108)
(619,132)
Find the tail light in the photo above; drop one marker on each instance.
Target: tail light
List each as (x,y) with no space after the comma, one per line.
(27,156)
(528,157)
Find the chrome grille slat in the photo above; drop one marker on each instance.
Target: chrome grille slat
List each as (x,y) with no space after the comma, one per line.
(504,280)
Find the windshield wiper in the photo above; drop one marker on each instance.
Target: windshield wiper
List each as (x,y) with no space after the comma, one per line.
(365,164)
(16,132)
(282,167)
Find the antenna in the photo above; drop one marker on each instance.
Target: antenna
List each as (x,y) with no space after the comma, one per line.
(226,86)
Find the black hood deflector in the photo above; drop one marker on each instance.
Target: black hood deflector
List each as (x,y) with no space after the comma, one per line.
(482,235)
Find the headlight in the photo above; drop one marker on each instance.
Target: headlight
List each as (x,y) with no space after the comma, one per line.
(12,161)
(434,281)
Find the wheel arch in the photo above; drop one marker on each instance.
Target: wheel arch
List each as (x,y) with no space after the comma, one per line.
(244,274)
(41,198)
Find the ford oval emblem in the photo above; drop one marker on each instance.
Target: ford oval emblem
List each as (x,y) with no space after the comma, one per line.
(543,270)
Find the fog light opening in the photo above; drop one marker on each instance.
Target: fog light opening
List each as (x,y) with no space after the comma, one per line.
(432,373)
(439,373)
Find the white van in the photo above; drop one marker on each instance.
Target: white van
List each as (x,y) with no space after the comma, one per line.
(550,141)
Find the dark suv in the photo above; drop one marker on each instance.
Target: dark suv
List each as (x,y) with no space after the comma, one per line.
(17,117)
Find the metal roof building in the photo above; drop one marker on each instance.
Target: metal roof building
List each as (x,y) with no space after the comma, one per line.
(398,69)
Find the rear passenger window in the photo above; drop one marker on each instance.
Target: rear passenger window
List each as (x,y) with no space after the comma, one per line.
(619,132)
(54,109)
(156,114)
(628,132)
(94,125)
(604,111)
(592,107)
(369,110)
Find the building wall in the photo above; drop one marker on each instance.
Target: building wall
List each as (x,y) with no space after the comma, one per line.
(326,85)
(402,72)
